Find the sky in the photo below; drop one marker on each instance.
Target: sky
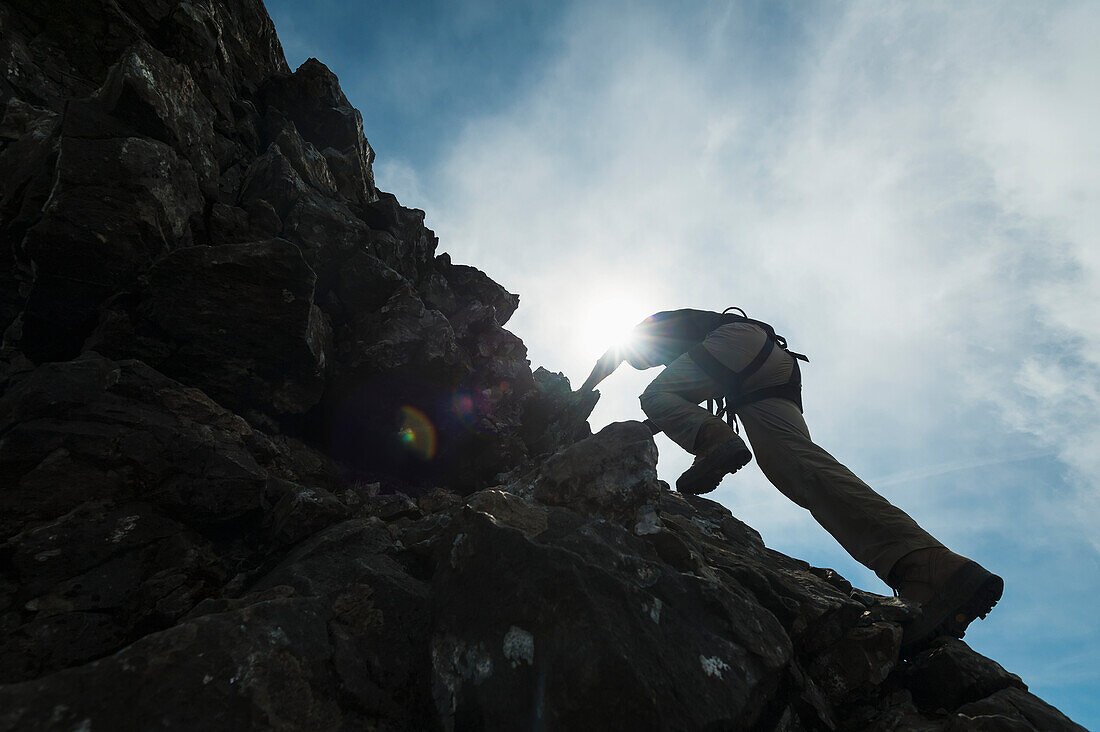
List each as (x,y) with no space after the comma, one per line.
(910,192)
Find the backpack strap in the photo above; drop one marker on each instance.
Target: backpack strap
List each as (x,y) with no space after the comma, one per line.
(732,381)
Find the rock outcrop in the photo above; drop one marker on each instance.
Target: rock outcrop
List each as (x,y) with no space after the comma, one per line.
(267,460)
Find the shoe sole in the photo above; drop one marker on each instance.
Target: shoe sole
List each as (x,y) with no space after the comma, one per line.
(705,477)
(970,593)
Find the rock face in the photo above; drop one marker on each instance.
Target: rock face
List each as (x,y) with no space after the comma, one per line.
(267,460)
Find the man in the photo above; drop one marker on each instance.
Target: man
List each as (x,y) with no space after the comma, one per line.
(725,355)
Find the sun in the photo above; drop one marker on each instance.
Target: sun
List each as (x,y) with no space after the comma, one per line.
(608,321)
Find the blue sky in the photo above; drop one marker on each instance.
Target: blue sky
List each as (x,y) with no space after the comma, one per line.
(909,192)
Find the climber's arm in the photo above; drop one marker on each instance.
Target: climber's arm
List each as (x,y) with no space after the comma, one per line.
(603,368)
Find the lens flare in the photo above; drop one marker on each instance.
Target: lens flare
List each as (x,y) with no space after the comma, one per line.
(463,408)
(417,434)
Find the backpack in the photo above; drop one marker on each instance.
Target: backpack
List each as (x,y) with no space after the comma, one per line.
(663,337)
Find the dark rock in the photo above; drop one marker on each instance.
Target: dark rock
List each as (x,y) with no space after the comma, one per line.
(1011,709)
(327,232)
(245,47)
(568,637)
(228,224)
(118,485)
(236,320)
(362,284)
(272,178)
(44,44)
(402,334)
(611,474)
(160,99)
(266,665)
(469,299)
(312,99)
(511,510)
(438,500)
(951,674)
(116,206)
(262,219)
(864,657)
(93,428)
(554,416)
(299,512)
(402,241)
(307,161)
(392,506)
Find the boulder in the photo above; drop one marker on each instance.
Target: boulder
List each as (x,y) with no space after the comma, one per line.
(612,474)
(951,674)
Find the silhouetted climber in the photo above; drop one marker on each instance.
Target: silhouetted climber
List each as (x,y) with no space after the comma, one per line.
(728,356)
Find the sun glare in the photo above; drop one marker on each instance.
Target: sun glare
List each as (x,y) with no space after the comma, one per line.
(608,321)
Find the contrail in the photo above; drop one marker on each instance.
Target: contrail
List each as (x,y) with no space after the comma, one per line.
(953,466)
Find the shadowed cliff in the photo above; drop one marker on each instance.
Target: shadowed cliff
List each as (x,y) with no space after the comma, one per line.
(267,460)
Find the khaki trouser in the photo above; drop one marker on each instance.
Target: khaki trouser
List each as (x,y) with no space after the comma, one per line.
(869,528)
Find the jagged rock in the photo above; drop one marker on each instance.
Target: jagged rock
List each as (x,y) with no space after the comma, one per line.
(569,625)
(159,98)
(469,299)
(951,674)
(405,244)
(391,506)
(93,428)
(554,416)
(299,512)
(118,485)
(307,161)
(272,178)
(511,510)
(116,206)
(236,320)
(611,474)
(438,500)
(312,98)
(327,232)
(865,656)
(1011,708)
(39,41)
(379,627)
(403,335)
(97,577)
(362,284)
(267,664)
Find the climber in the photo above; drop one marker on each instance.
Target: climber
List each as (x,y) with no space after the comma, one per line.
(728,356)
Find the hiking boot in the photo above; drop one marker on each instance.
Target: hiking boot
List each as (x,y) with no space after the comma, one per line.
(952,591)
(718,452)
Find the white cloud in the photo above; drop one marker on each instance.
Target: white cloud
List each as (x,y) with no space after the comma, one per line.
(398,177)
(912,199)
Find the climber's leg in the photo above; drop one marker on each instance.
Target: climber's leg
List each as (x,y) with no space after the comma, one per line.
(874,532)
(672,401)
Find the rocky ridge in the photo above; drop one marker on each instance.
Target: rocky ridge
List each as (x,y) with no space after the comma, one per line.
(270,461)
